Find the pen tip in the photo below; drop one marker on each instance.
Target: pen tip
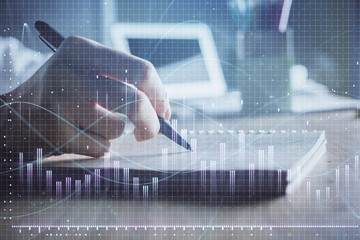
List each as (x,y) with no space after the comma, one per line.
(189,147)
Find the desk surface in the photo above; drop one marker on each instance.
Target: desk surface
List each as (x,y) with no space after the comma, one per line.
(325,206)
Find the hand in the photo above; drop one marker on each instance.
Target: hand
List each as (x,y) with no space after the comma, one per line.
(70,104)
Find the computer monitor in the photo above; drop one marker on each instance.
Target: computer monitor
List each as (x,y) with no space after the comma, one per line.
(184,55)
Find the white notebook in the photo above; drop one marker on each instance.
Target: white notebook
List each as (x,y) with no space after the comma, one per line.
(226,163)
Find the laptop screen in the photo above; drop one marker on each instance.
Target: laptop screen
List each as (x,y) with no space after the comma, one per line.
(176,60)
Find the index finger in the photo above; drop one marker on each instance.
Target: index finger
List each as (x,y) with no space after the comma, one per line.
(118,66)
(119,97)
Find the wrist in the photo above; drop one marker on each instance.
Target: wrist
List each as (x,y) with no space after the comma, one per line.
(4,125)
(12,135)
(17,119)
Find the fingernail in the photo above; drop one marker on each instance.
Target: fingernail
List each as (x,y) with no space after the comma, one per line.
(168,113)
(137,135)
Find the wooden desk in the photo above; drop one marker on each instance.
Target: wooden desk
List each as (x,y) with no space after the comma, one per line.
(325,207)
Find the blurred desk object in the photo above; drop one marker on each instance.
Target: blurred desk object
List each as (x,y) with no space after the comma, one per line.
(325,207)
(264,58)
(309,96)
(322,102)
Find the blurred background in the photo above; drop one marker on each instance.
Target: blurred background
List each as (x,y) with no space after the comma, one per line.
(256,50)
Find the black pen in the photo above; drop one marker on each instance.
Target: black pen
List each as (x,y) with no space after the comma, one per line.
(53,39)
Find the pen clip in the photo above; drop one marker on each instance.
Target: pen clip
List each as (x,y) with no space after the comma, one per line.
(47,43)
